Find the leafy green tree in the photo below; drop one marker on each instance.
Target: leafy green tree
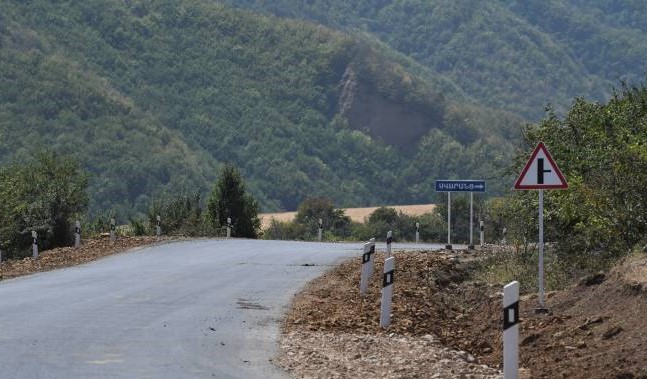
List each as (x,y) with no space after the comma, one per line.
(602,151)
(334,220)
(45,195)
(230,200)
(384,219)
(181,214)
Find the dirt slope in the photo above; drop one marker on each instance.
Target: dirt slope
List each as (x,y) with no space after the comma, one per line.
(594,330)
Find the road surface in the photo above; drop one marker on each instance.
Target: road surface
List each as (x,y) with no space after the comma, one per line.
(200,309)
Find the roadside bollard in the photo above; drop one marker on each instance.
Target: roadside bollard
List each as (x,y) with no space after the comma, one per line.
(320,229)
(34,244)
(367,266)
(113,229)
(389,240)
(387,292)
(77,235)
(511,330)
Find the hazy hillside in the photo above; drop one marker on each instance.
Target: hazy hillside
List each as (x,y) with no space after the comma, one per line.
(515,55)
(152,96)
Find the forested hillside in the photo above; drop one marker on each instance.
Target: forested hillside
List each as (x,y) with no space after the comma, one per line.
(153,97)
(512,54)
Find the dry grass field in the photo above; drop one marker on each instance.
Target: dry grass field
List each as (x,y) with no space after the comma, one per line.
(356,214)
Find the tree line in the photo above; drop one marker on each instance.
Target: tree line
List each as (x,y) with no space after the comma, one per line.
(49,192)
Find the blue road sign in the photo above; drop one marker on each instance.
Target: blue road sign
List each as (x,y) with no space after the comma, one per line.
(460,185)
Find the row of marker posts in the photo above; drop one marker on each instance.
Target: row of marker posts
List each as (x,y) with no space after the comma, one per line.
(77,235)
(510,303)
(368,263)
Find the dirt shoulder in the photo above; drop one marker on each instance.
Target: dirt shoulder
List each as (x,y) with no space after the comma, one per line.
(445,325)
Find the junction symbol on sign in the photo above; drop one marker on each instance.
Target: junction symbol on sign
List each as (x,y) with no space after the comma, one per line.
(540,172)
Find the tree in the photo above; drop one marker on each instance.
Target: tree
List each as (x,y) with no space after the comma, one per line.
(44,195)
(334,220)
(230,200)
(602,151)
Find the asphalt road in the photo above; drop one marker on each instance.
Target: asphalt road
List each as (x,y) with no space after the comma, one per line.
(203,309)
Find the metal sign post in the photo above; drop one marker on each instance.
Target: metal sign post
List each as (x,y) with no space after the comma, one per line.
(471,245)
(540,173)
(449,221)
(450,186)
(540,274)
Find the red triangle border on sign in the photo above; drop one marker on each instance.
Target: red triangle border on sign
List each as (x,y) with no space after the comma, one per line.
(540,147)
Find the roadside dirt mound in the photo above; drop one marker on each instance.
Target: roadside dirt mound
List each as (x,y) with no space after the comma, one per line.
(61,257)
(593,330)
(596,329)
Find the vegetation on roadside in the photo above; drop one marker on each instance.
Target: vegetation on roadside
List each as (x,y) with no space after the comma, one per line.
(229,201)
(43,195)
(602,151)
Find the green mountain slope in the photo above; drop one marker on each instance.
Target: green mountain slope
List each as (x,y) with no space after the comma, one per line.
(515,55)
(153,96)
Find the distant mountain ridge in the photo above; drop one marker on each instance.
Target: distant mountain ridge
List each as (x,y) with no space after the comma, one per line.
(154,96)
(518,55)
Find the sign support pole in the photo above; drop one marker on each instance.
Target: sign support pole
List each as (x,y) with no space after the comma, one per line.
(471,246)
(542,306)
(449,221)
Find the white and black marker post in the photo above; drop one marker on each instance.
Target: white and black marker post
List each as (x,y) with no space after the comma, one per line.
(511,330)
(389,240)
(228,227)
(34,244)
(320,229)
(367,268)
(113,229)
(77,234)
(417,232)
(158,226)
(482,227)
(387,292)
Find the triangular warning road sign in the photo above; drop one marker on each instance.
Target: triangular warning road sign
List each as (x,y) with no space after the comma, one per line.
(540,172)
